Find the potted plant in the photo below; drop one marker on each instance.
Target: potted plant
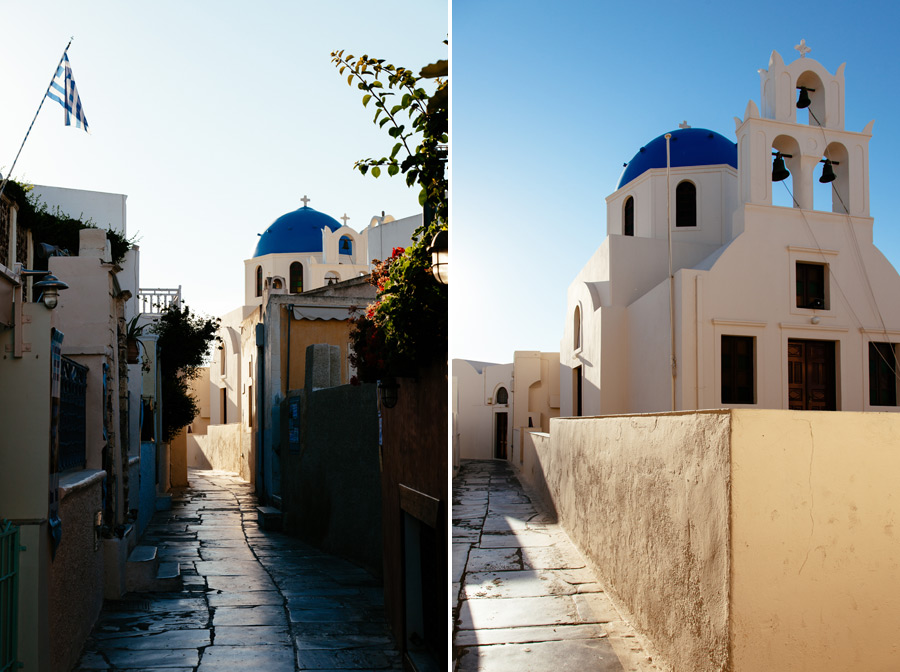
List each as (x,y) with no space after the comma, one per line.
(132,332)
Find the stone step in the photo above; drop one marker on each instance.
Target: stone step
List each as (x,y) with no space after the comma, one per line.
(268,517)
(141,568)
(168,578)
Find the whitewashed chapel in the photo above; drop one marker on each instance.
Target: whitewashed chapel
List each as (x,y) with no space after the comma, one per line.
(773,306)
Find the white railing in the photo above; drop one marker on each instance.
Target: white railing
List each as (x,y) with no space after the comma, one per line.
(153,300)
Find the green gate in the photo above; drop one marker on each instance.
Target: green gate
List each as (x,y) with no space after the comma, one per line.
(9,595)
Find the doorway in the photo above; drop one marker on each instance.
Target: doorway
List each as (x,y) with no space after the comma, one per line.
(811,376)
(500,423)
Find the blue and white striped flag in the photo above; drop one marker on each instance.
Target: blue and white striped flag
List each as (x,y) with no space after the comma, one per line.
(68,94)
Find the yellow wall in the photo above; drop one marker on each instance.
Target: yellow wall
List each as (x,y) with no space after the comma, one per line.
(815,578)
(309,332)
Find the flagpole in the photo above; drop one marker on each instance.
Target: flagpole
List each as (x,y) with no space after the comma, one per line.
(671,274)
(55,70)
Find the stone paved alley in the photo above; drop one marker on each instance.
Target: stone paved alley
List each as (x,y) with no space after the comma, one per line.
(527,601)
(251,599)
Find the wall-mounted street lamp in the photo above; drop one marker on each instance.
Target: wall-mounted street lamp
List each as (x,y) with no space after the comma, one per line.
(50,287)
(440,262)
(389,391)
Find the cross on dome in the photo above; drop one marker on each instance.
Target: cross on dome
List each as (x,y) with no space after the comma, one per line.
(802,48)
(305,200)
(684,124)
(344,219)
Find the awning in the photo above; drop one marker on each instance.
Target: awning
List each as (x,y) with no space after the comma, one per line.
(323,312)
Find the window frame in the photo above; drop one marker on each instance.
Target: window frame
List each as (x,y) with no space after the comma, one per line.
(681,205)
(736,399)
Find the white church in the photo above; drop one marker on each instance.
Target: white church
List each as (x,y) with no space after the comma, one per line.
(765,306)
(317,265)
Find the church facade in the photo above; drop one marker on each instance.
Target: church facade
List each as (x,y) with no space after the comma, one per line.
(313,264)
(766,305)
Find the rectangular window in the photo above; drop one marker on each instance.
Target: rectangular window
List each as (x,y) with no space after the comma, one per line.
(882,374)
(737,370)
(811,286)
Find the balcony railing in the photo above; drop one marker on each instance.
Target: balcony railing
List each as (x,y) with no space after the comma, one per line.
(154,300)
(72,425)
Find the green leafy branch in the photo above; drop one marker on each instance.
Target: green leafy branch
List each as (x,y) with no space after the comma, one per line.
(423,162)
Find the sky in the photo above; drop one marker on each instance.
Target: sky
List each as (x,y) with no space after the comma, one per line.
(214,117)
(547,105)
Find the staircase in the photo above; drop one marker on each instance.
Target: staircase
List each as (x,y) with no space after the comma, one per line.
(144,573)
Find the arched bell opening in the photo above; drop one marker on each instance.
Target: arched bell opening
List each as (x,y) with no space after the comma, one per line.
(835,171)
(810,102)
(786,176)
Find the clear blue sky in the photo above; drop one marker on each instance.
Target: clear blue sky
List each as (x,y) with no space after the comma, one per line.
(550,101)
(215,117)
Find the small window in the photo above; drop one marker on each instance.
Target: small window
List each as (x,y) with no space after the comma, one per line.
(628,217)
(259,283)
(502,396)
(346,245)
(686,204)
(577,327)
(296,278)
(737,370)
(882,374)
(811,286)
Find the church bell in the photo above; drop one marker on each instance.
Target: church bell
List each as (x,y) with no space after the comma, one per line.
(779,171)
(803,100)
(827,173)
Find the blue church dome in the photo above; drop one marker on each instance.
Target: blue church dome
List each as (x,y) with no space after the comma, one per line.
(297,231)
(689,147)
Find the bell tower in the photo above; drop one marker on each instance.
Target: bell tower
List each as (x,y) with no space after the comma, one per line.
(801,123)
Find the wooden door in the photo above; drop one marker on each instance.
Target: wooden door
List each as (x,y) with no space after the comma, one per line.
(811,376)
(501,425)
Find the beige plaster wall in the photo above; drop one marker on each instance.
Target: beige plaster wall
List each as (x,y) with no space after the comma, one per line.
(646,499)
(816,554)
(178,460)
(24,446)
(221,448)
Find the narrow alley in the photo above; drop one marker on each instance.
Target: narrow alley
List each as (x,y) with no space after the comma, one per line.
(527,601)
(250,599)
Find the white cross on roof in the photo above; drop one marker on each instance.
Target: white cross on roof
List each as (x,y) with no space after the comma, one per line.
(305,200)
(345,218)
(802,48)
(684,124)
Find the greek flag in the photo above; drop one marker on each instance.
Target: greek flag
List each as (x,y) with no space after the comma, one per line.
(67,94)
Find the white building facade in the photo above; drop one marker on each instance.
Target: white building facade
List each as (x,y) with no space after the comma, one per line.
(772,306)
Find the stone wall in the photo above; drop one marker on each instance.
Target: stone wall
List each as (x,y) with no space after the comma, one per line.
(76,576)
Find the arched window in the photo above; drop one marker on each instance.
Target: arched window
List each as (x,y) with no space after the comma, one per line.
(628,217)
(502,396)
(686,204)
(577,328)
(331,277)
(296,277)
(259,280)
(346,245)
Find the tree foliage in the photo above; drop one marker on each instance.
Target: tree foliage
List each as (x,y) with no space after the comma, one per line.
(406,327)
(183,343)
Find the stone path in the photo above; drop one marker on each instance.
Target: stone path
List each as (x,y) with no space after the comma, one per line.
(526,599)
(252,599)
